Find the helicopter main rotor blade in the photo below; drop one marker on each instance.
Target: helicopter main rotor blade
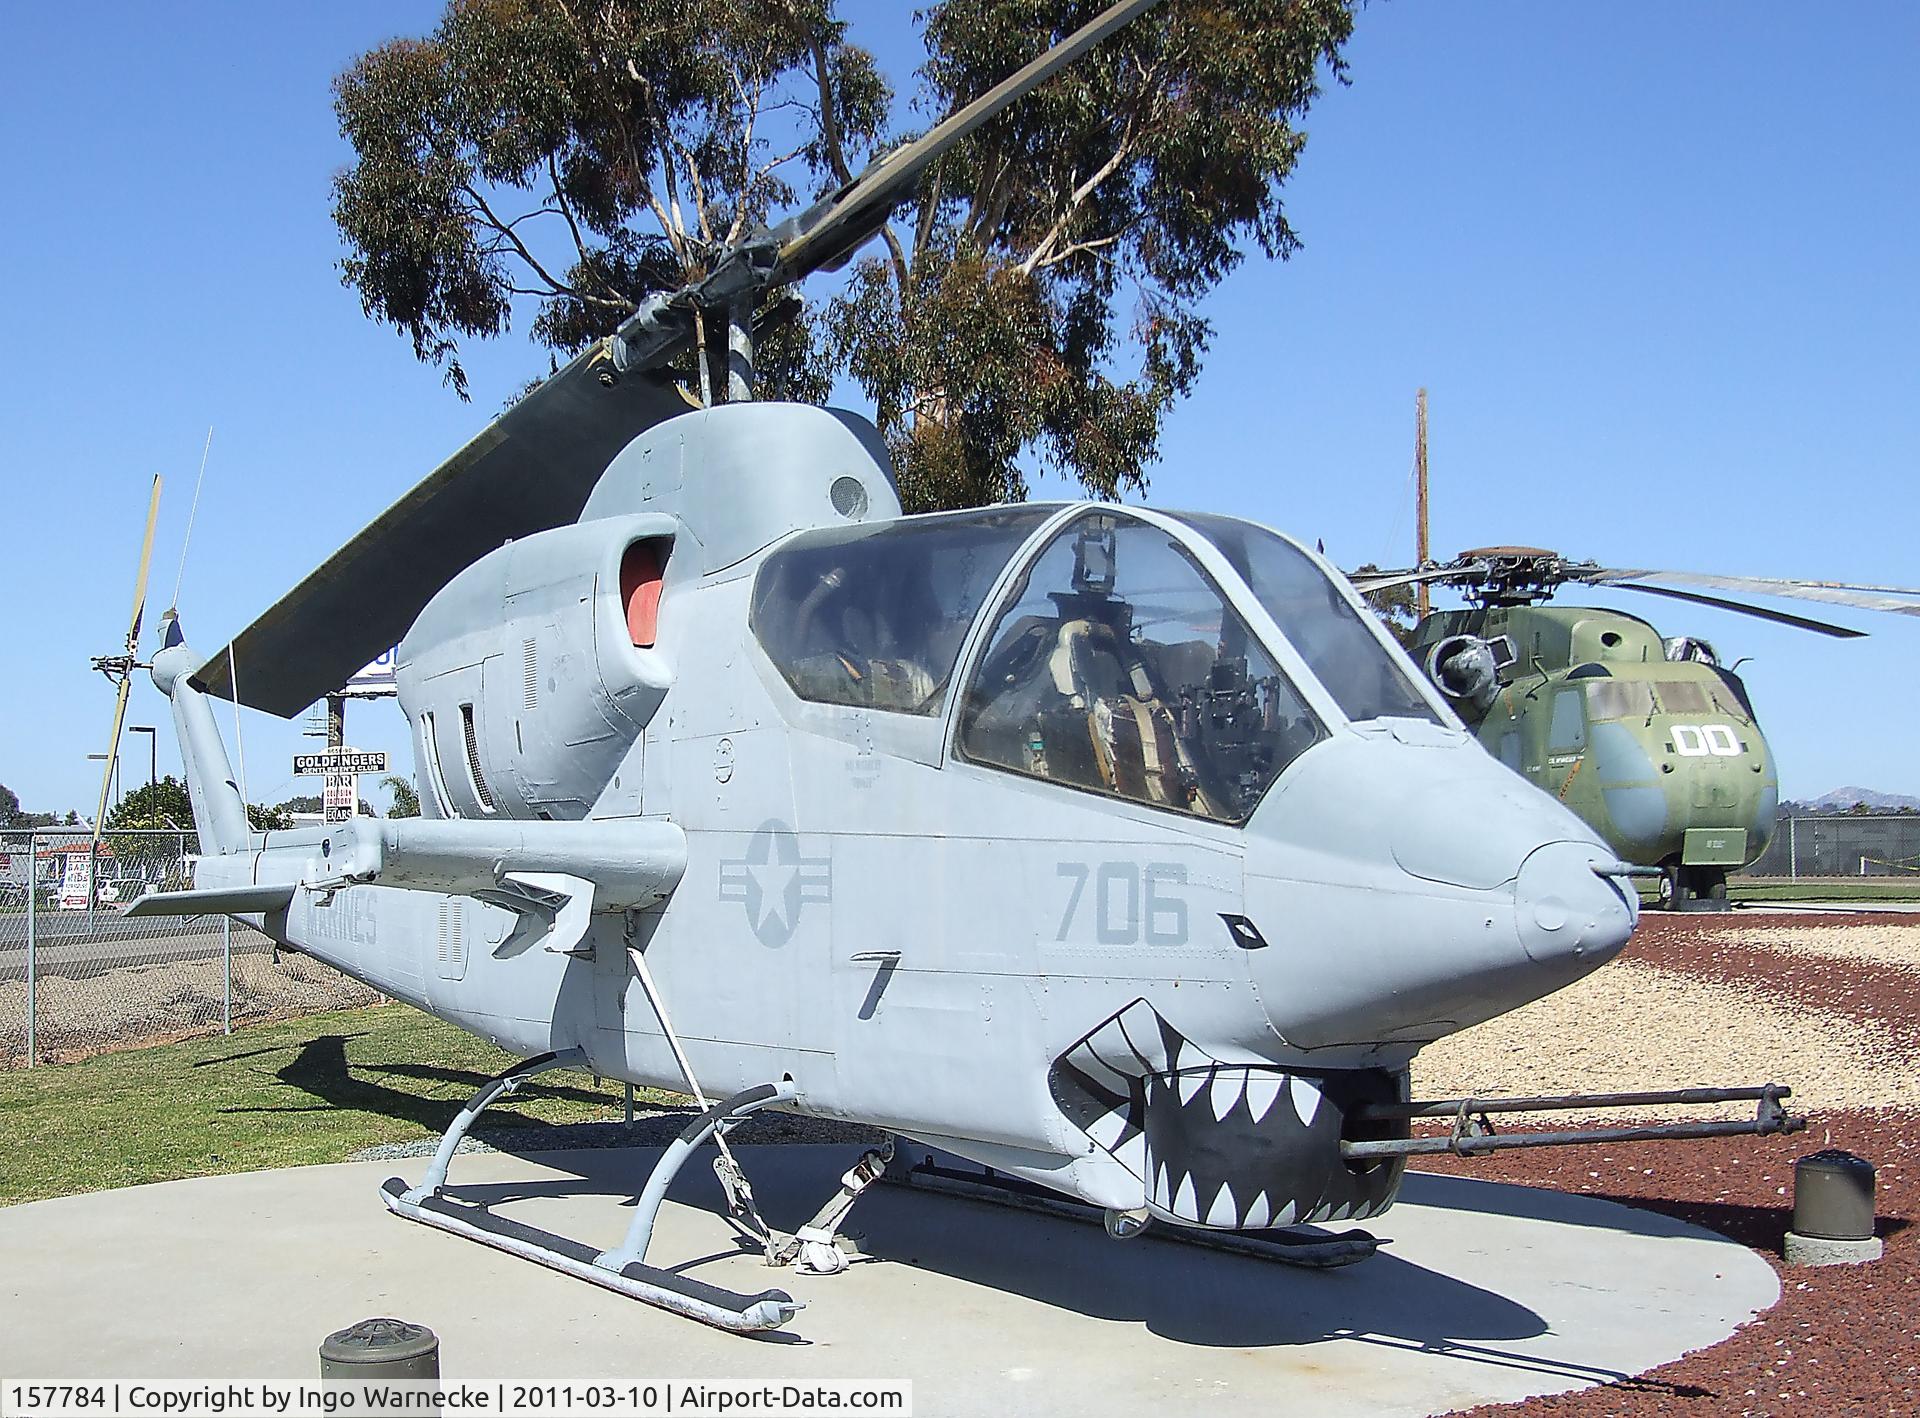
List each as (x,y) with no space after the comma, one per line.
(1801,622)
(1839,593)
(528,470)
(829,232)
(1365,581)
(826,234)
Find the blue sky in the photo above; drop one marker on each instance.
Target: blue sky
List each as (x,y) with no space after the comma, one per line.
(1654,264)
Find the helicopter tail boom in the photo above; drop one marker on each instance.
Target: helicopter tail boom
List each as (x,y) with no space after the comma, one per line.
(218,809)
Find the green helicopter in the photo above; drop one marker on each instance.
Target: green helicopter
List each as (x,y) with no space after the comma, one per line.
(1650,740)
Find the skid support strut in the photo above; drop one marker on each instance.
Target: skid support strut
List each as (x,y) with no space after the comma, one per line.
(742,1210)
(623,1269)
(693,1135)
(505,1085)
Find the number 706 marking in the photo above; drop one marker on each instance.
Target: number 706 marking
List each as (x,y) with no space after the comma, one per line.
(1131,903)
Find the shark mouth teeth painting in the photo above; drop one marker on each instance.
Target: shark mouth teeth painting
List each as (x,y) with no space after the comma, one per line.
(1226,1146)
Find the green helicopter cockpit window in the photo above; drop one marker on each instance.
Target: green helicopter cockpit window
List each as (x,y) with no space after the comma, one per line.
(1641,699)
(1683,696)
(1619,699)
(1118,667)
(875,616)
(1365,679)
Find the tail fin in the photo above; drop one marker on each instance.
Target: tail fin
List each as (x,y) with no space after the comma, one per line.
(218,809)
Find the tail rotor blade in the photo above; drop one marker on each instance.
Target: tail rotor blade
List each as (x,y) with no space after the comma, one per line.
(126,675)
(140,577)
(113,757)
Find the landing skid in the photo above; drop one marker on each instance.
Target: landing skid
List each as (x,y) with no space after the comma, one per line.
(743,1314)
(1304,1246)
(624,1268)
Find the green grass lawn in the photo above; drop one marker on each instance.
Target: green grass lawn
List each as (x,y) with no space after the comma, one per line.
(316,1089)
(1829,888)
(1761,889)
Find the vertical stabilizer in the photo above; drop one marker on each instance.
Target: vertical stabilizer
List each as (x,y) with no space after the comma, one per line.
(218,809)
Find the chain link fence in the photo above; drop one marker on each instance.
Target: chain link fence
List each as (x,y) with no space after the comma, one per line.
(77,978)
(1849,844)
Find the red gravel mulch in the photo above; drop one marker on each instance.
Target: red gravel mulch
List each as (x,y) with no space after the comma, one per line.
(1843,1339)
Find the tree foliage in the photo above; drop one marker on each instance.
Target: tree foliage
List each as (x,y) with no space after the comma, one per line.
(1396,606)
(11,814)
(166,805)
(268,819)
(583,156)
(1037,300)
(1044,297)
(406,798)
(156,806)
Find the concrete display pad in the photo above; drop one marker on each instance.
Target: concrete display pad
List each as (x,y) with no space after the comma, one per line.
(1487,1292)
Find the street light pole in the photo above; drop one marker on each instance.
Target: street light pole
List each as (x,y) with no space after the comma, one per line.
(113,781)
(153,751)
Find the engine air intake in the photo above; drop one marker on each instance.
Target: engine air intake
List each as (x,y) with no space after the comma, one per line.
(641,568)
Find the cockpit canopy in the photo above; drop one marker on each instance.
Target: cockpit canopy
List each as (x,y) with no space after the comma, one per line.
(1113,662)
(874,616)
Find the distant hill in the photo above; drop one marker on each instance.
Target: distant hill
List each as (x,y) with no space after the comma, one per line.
(1842,799)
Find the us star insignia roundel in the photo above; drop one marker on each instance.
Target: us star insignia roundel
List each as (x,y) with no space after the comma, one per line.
(775,882)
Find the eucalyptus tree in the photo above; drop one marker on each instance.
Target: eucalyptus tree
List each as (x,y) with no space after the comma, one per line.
(1037,302)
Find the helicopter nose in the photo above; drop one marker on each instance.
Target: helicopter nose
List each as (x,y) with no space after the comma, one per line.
(1565,911)
(1425,887)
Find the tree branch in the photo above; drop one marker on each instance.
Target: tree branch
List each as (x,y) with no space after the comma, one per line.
(1077,248)
(553,173)
(580,295)
(929,212)
(672,226)
(700,204)
(1121,153)
(829,119)
(519,246)
(751,102)
(899,259)
(1153,92)
(579,245)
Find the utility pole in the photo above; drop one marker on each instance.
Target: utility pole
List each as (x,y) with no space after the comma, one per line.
(330,811)
(1423,547)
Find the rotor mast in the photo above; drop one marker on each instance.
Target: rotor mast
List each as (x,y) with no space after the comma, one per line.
(740,350)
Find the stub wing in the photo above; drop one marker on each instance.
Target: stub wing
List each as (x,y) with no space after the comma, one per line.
(214,901)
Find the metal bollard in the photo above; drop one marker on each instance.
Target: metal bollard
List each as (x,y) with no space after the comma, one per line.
(380,1350)
(1832,1211)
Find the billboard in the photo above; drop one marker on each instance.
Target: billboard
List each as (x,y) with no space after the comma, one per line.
(376,679)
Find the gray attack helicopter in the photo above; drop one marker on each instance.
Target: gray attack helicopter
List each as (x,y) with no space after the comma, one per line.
(1105,856)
